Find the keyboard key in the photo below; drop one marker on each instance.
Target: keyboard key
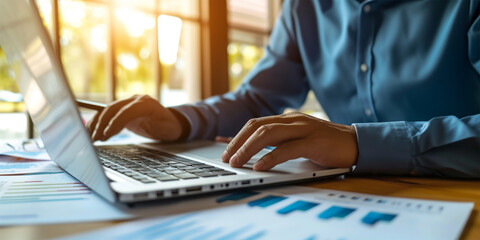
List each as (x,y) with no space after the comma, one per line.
(195,170)
(158,166)
(166,178)
(187,168)
(176,171)
(131,174)
(157,175)
(169,169)
(206,174)
(211,168)
(186,176)
(177,165)
(147,181)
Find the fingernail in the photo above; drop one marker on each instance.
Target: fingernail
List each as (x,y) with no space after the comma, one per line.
(259,165)
(225,156)
(234,160)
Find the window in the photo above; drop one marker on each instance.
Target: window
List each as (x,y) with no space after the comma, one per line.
(113,49)
(250,24)
(177,51)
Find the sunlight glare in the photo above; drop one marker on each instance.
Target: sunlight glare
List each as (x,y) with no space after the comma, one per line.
(169,29)
(73,12)
(128,61)
(135,22)
(45,8)
(98,37)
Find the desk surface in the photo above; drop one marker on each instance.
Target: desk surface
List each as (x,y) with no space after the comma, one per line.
(423,188)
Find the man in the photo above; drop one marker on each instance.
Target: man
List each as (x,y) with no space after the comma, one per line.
(400,81)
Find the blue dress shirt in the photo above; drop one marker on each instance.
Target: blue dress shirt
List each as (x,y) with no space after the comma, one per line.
(406,74)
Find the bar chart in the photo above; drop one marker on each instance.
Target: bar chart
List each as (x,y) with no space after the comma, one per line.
(11,166)
(40,191)
(321,215)
(51,198)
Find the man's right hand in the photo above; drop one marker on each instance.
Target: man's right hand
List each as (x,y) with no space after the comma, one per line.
(140,114)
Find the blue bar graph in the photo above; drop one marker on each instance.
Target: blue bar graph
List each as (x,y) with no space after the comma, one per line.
(193,227)
(237,196)
(266,201)
(373,217)
(336,212)
(297,206)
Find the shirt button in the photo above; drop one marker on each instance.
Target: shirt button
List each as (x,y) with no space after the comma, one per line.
(368,112)
(367,8)
(364,67)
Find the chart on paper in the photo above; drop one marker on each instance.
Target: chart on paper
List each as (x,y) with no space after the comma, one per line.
(10,166)
(324,214)
(41,191)
(51,198)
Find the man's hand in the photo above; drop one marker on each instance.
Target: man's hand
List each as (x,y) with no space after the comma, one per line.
(142,115)
(294,135)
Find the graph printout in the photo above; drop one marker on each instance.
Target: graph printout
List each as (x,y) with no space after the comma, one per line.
(314,214)
(10,166)
(51,198)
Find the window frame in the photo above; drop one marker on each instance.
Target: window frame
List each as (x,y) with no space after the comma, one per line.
(213,62)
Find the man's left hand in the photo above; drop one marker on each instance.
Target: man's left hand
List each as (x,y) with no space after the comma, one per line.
(294,135)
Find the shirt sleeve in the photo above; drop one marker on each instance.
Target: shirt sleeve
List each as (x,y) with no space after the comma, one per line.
(444,146)
(277,81)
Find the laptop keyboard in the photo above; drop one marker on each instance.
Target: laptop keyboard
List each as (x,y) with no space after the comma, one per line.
(150,166)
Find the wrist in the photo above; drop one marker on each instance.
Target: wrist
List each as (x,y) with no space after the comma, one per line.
(185,125)
(354,139)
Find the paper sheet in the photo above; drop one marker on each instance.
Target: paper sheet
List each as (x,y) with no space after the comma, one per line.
(51,198)
(33,148)
(17,166)
(314,214)
(28,149)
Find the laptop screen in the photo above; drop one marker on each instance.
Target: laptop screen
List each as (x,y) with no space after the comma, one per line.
(47,95)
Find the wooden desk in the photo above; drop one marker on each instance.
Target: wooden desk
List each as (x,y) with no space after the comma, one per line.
(423,188)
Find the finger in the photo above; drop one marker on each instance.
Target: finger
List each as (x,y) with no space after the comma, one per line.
(223,139)
(93,123)
(250,127)
(129,112)
(147,117)
(106,115)
(286,151)
(266,135)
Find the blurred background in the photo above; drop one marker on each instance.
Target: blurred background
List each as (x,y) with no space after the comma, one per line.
(177,51)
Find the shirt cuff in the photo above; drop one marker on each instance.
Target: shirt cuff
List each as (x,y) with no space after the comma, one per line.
(383,148)
(190,121)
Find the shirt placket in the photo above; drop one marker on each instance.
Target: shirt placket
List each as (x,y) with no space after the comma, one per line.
(364,59)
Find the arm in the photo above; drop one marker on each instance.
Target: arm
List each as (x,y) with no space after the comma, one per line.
(277,81)
(444,146)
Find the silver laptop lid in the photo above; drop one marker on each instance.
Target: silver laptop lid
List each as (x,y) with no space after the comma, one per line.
(47,95)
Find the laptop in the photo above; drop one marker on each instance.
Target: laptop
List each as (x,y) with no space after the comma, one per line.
(119,173)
